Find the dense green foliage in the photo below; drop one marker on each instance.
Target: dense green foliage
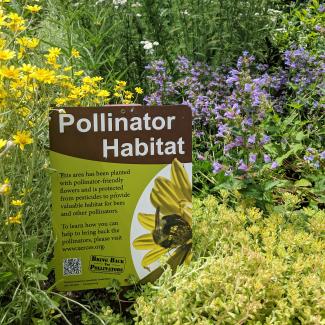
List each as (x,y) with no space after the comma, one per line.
(109,37)
(258,148)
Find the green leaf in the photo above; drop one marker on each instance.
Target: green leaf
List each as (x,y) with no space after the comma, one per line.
(303,183)
(300,136)
(40,277)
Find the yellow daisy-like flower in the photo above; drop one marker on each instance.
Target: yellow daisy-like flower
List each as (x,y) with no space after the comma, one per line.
(14,219)
(79,73)
(2,143)
(10,72)
(17,203)
(6,55)
(171,226)
(54,51)
(30,43)
(138,90)
(44,75)
(33,9)
(75,53)
(60,101)
(103,93)
(121,83)
(22,138)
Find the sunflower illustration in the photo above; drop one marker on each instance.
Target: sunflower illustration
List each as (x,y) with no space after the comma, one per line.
(171,226)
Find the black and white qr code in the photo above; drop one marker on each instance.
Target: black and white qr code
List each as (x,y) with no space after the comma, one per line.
(72,266)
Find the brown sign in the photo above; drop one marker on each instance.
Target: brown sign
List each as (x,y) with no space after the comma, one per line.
(133,134)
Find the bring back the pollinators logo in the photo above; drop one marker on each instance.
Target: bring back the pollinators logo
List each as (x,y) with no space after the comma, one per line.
(121,185)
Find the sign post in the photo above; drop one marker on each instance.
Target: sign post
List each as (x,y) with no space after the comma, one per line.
(121,193)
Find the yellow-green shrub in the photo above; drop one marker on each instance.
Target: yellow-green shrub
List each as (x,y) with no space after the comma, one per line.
(248,269)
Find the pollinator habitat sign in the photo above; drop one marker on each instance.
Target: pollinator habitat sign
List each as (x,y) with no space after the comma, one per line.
(121,193)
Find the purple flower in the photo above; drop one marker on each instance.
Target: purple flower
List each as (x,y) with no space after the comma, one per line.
(274,165)
(252,158)
(251,139)
(242,166)
(199,134)
(216,167)
(200,157)
(309,158)
(267,159)
(265,140)
(248,88)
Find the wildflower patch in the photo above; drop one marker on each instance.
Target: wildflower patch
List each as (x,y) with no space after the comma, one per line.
(121,192)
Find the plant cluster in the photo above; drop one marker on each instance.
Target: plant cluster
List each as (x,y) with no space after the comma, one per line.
(249,269)
(258,136)
(116,39)
(33,80)
(249,121)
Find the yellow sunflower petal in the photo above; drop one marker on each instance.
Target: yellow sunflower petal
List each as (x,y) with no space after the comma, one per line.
(165,205)
(153,256)
(144,242)
(147,220)
(181,180)
(164,196)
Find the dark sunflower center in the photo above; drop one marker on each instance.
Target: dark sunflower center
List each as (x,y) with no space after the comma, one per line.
(174,231)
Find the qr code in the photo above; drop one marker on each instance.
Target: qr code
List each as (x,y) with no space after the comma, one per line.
(72,266)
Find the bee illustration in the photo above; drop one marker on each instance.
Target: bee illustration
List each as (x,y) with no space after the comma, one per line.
(171,231)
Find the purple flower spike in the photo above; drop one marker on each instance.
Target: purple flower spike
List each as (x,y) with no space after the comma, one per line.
(216,167)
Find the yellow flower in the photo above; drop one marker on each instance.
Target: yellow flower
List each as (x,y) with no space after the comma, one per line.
(173,199)
(128,94)
(69,68)
(10,72)
(60,101)
(30,43)
(54,51)
(27,68)
(33,9)
(116,94)
(138,90)
(79,73)
(17,203)
(22,138)
(16,22)
(2,143)
(24,111)
(75,53)
(6,55)
(121,83)
(103,93)
(5,188)
(14,219)
(97,79)
(126,102)
(44,75)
